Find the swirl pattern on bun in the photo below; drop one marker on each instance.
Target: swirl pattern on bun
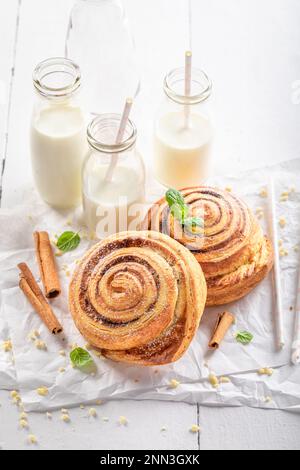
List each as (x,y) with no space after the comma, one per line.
(230,245)
(139,297)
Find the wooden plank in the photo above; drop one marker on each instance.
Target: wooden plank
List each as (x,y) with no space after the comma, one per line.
(144,429)
(42,31)
(41,34)
(8,39)
(248,429)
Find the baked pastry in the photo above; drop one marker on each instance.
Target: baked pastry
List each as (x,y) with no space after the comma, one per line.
(139,297)
(230,245)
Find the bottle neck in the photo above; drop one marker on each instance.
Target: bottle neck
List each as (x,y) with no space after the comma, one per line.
(57,78)
(174,85)
(102,134)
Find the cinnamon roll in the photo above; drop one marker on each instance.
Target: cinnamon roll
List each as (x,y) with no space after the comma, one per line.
(230,245)
(139,297)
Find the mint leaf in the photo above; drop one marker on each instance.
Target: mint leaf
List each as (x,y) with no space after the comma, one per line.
(68,241)
(179,212)
(81,358)
(179,209)
(174,197)
(244,337)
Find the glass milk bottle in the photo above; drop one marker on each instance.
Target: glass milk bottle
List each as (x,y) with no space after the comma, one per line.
(113,178)
(58,135)
(99,38)
(183,131)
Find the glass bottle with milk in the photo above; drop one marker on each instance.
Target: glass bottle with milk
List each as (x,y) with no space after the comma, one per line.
(113,178)
(58,133)
(183,131)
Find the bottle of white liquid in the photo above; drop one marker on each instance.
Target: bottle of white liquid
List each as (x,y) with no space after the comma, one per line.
(99,38)
(58,136)
(183,131)
(112,202)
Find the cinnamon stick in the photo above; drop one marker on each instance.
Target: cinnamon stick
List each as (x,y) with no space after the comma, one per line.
(224,321)
(35,296)
(47,264)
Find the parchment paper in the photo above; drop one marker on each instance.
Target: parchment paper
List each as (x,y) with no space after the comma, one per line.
(35,368)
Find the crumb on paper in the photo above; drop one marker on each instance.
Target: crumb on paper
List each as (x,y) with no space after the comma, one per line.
(7,345)
(69,222)
(259,212)
(23,415)
(263,192)
(213,380)
(48,415)
(228,189)
(81,407)
(224,380)
(265,371)
(61,370)
(58,253)
(23,424)
(174,383)
(195,428)
(99,402)
(123,420)
(296,248)
(41,345)
(283,252)
(62,352)
(32,439)
(14,394)
(97,353)
(64,411)
(42,391)
(163,429)
(93,412)
(105,419)
(33,335)
(282,222)
(65,418)
(268,399)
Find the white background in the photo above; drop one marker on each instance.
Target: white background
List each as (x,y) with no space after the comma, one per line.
(251,50)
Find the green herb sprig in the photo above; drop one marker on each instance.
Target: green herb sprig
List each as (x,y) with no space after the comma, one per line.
(81,358)
(244,337)
(180,210)
(68,241)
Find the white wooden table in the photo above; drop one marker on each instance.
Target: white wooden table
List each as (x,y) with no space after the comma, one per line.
(249,47)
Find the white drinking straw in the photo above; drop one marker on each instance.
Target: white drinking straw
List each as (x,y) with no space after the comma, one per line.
(187,84)
(119,138)
(276,272)
(296,339)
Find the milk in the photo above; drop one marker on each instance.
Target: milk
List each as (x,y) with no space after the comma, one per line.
(113,206)
(58,146)
(182,153)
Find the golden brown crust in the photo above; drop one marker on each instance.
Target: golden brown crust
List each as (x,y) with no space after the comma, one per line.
(139,297)
(230,248)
